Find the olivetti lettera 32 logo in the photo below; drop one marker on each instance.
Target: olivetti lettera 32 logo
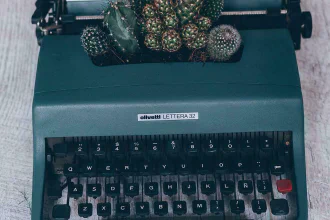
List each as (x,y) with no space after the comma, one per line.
(168,116)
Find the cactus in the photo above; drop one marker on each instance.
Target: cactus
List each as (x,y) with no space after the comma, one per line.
(212,9)
(163,6)
(120,20)
(188,10)
(198,42)
(94,41)
(155,26)
(149,11)
(189,32)
(204,23)
(171,41)
(171,20)
(153,42)
(223,42)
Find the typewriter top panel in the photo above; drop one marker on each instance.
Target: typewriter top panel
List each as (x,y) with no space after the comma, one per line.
(93,7)
(268,59)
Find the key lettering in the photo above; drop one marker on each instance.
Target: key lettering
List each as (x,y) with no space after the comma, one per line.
(103,208)
(199,205)
(94,189)
(107,168)
(122,207)
(89,167)
(245,185)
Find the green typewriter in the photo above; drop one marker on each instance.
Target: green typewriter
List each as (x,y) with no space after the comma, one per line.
(157,139)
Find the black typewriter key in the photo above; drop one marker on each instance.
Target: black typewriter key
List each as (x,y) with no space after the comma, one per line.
(142,209)
(245,186)
(259,206)
(279,207)
(260,166)
(94,190)
(204,166)
(263,186)
(173,148)
(104,209)
(217,206)
(80,150)
(70,170)
(61,212)
(161,208)
(99,150)
(248,145)
(85,210)
(151,189)
(188,187)
(88,170)
(221,166)
(107,169)
(118,149)
(75,190)
(208,187)
(237,206)
(112,189)
(60,150)
(239,166)
(192,148)
(227,187)
(209,147)
(166,168)
(277,168)
(170,188)
(179,207)
(137,148)
(266,143)
(199,207)
(126,169)
(155,149)
(131,189)
(184,168)
(229,145)
(146,169)
(54,190)
(123,209)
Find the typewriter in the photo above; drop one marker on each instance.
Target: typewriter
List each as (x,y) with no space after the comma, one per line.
(172,140)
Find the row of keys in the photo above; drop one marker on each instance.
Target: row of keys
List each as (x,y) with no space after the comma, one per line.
(169,167)
(199,207)
(171,188)
(157,148)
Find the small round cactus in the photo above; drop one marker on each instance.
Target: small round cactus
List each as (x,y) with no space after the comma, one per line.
(149,11)
(153,42)
(155,26)
(197,43)
(213,9)
(223,42)
(171,20)
(204,23)
(94,41)
(189,31)
(171,41)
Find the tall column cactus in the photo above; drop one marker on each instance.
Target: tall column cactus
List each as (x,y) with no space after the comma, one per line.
(120,20)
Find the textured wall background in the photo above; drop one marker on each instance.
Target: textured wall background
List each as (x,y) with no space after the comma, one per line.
(18,60)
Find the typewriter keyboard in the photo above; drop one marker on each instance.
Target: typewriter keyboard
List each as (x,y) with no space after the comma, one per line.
(195,176)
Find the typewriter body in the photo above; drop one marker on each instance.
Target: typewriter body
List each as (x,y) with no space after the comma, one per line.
(170,140)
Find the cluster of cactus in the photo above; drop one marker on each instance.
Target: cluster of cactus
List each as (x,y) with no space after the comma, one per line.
(121,32)
(168,26)
(212,9)
(223,42)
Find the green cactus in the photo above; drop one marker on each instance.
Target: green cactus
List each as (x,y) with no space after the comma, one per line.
(189,32)
(153,42)
(121,22)
(171,41)
(94,41)
(188,10)
(155,26)
(198,42)
(212,9)
(149,11)
(204,23)
(171,20)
